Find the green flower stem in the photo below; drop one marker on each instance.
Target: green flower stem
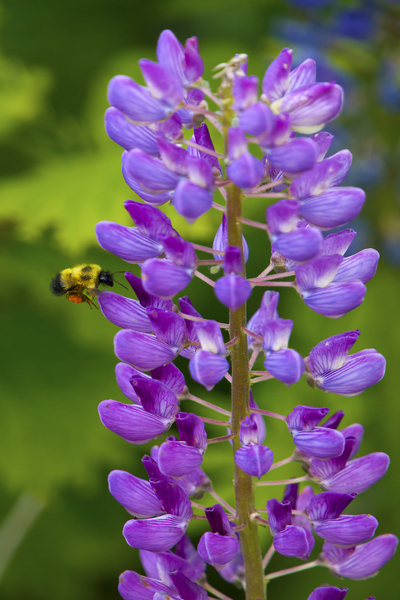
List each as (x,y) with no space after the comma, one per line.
(244,490)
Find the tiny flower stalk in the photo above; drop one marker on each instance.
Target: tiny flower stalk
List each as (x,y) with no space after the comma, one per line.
(240,389)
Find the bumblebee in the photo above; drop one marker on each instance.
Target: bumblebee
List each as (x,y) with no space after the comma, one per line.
(78,283)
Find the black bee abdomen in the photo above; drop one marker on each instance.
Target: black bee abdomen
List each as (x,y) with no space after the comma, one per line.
(56,285)
(106,278)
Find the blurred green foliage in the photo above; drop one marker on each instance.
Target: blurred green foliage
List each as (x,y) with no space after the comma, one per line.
(59,175)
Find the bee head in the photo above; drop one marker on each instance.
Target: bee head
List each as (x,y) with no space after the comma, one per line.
(106,278)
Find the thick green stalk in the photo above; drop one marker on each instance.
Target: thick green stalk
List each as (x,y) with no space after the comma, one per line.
(244,490)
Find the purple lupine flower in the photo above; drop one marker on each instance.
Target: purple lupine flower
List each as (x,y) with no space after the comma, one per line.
(133,586)
(167,277)
(311,440)
(324,512)
(253,458)
(343,475)
(168,374)
(193,196)
(124,312)
(177,459)
(331,369)
(185,63)
(202,138)
(245,91)
(289,540)
(234,571)
(233,289)
(135,244)
(323,203)
(129,136)
(150,197)
(266,312)
(291,237)
(244,169)
(209,365)
(362,561)
(221,240)
(309,104)
(282,362)
(328,593)
(187,588)
(161,533)
(140,423)
(142,350)
(316,286)
(219,546)
(136,495)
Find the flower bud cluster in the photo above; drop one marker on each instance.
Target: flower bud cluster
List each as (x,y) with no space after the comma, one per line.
(161,165)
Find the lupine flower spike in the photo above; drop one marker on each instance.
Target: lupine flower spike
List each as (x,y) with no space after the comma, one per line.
(284,121)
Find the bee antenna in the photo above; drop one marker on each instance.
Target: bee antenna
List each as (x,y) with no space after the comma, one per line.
(121,284)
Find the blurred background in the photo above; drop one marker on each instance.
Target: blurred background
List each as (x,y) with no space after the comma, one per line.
(60,530)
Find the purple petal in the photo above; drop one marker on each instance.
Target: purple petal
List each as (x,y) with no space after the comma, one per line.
(328,593)
(323,139)
(294,157)
(355,431)
(165,279)
(132,423)
(266,312)
(186,587)
(124,312)
(177,459)
(317,273)
(133,586)
(127,135)
(191,429)
(162,83)
(347,530)
(203,138)
(359,474)
(135,101)
(286,365)
(232,290)
(155,397)
(188,552)
(216,549)
(276,78)
(304,74)
(365,560)
(179,251)
(168,326)
(143,351)
(320,442)
(311,107)
(300,244)
(150,172)
(328,505)
(191,201)
(210,336)
(200,172)
(305,417)
(335,300)
(157,534)
(208,368)
(334,420)
(360,266)
(248,432)
(258,419)
(324,469)
(144,298)
(334,207)
(233,260)
(136,495)
(258,120)
(150,221)
(234,572)
(221,240)
(244,91)
(326,174)
(294,541)
(154,198)
(124,374)
(173,498)
(360,370)
(194,66)
(174,157)
(279,515)
(171,376)
(255,460)
(283,216)
(126,242)
(170,53)
(246,171)
(330,354)
(276,334)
